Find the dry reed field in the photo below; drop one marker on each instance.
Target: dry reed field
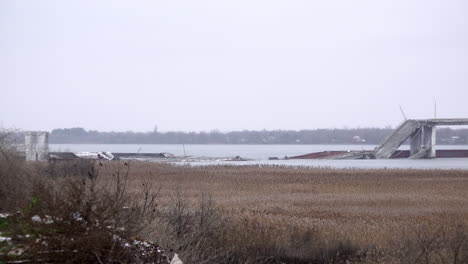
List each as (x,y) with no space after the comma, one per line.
(382,210)
(141,212)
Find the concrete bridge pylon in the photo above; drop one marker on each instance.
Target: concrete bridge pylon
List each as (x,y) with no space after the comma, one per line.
(421,134)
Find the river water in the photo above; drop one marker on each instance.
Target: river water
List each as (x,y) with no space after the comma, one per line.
(259,154)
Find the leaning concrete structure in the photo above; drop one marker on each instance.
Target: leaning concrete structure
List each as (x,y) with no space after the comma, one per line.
(421,134)
(36,146)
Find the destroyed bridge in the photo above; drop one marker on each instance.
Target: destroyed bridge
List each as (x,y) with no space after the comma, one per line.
(421,134)
(422,138)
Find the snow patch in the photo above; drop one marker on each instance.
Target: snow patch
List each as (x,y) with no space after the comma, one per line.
(4,215)
(46,220)
(3,239)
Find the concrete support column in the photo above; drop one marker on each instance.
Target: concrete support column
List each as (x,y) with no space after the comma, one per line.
(430,141)
(423,139)
(416,141)
(36,146)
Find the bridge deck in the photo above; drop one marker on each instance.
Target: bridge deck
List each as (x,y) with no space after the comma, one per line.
(407,129)
(446,121)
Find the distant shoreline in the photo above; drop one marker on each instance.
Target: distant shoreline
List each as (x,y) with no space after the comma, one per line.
(354,136)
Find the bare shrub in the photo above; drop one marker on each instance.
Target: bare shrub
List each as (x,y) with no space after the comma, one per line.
(194,232)
(14,177)
(64,168)
(84,220)
(433,244)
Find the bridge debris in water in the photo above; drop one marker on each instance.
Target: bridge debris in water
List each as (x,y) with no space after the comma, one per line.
(101,155)
(422,138)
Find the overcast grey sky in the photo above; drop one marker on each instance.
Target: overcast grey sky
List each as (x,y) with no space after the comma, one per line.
(230,65)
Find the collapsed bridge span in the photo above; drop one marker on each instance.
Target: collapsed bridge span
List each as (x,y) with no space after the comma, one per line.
(422,138)
(421,134)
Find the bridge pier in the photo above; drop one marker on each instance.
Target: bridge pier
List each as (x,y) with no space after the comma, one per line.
(36,146)
(422,135)
(422,142)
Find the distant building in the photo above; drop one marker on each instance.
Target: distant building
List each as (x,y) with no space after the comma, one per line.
(456,140)
(358,139)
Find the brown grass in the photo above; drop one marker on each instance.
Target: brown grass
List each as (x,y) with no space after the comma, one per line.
(373,209)
(247,214)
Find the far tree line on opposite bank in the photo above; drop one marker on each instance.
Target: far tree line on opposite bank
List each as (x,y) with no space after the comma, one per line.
(316,136)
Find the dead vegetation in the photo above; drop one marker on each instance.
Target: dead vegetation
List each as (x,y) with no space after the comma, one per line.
(108,212)
(74,217)
(301,215)
(14,178)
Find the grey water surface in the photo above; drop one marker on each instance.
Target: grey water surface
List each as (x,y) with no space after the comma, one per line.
(201,155)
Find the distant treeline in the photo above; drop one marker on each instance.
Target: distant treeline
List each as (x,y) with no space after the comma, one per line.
(317,136)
